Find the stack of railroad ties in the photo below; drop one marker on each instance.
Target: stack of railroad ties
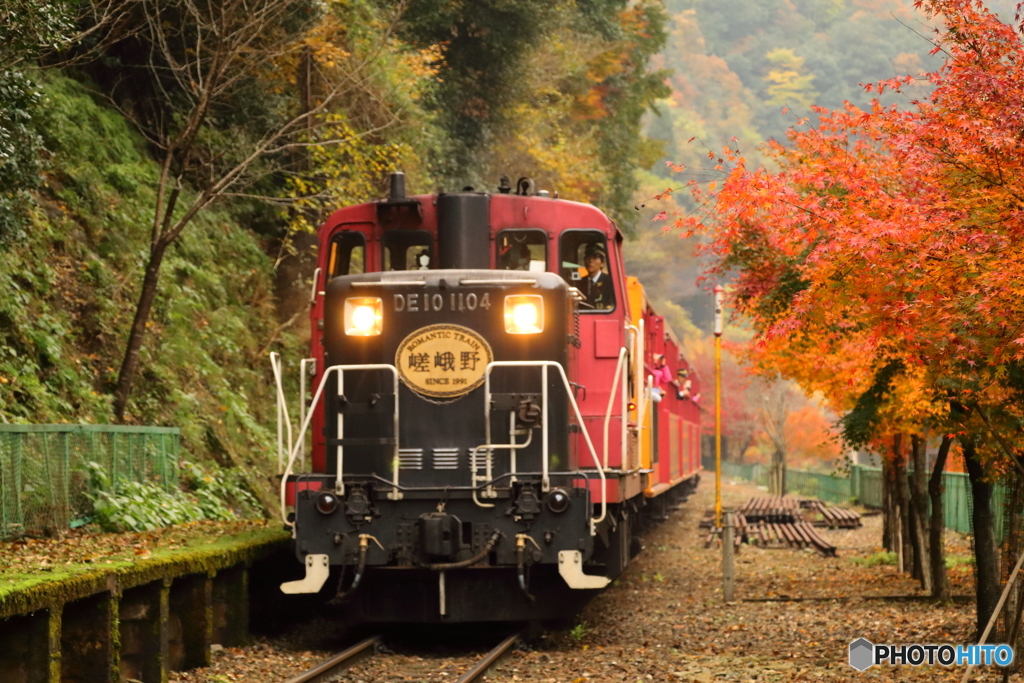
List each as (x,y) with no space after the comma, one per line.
(783,522)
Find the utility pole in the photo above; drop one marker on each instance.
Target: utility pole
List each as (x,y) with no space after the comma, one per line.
(728,570)
(719,308)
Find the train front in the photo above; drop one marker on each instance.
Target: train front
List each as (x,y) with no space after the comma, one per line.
(450,492)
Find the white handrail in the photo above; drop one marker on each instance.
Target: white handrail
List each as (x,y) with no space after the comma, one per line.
(305,425)
(512,447)
(312,289)
(634,346)
(544,364)
(545,482)
(282,409)
(302,401)
(620,367)
(639,362)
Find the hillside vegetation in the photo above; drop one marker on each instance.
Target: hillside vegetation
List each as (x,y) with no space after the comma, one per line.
(126,158)
(68,290)
(745,72)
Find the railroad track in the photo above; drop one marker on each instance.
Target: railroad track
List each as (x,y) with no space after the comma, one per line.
(325,670)
(329,669)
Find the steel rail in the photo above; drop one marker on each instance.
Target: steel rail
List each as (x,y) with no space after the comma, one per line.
(330,668)
(343,660)
(480,669)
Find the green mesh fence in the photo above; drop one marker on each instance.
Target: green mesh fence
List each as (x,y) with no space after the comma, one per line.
(866,485)
(826,487)
(44,469)
(756,473)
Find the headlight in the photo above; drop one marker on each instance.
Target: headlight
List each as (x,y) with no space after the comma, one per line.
(524,314)
(363,316)
(558,501)
(326,503)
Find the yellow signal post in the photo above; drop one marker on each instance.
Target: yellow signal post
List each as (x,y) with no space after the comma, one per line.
(719,307)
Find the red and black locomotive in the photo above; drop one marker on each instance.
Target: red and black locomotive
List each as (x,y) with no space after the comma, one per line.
(489,414)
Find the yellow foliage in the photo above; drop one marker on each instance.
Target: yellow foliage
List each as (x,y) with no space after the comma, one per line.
(787,86)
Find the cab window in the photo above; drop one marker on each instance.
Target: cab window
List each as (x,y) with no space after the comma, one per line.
(407,250)
(584,255)
(522,250)
(347,254)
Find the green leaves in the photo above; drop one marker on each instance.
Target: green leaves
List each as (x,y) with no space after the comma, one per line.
(20,148)
(860,424)
(28,27)
(125,505)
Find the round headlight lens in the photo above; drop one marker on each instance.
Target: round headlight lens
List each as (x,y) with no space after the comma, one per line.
(364,318)
(558,501)
(326,503)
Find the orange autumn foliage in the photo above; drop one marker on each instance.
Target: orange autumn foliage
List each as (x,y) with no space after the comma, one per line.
(891,237)
(812,440)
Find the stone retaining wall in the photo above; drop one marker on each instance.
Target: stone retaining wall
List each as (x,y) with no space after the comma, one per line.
(136,623)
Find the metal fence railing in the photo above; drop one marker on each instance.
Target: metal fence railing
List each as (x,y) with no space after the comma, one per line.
(864,485)
(817,485)
(44,473)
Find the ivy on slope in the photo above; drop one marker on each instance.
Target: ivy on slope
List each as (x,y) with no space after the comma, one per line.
(68,290)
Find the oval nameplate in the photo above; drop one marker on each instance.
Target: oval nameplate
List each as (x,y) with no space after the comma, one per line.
(443,361)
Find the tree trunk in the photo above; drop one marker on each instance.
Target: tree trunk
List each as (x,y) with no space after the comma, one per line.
(1015,632)
(888,513)
(919,508)
(986,561)
(904,546)
(936,549)
(142,310)
(913,562)
(1013,544)
(777,476)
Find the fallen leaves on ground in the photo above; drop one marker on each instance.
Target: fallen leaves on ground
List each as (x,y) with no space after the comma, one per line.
(84,548)
(665,619)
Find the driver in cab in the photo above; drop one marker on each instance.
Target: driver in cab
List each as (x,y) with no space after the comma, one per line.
(597,285)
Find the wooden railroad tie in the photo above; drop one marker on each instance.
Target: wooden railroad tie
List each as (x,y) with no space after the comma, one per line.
(783,522)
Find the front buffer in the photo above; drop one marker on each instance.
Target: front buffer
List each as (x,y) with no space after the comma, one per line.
(405,560)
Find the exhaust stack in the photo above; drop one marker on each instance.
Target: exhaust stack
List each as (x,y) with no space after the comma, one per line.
(464,230)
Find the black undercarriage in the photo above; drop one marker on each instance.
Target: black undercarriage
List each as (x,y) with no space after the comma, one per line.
(511,582)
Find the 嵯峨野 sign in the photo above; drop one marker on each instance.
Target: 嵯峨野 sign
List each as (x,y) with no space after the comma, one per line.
(443,361)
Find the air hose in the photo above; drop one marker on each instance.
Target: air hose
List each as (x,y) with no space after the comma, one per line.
(521,540)
(364,546)
(488,547)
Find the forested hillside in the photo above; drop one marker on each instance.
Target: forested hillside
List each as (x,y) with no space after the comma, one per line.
(162,163)
(752,70)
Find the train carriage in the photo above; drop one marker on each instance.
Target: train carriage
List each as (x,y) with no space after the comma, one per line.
(487,422)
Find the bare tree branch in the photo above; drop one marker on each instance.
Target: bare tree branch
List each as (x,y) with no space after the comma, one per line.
(199,58)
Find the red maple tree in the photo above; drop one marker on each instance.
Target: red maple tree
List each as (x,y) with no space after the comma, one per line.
(881,260)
